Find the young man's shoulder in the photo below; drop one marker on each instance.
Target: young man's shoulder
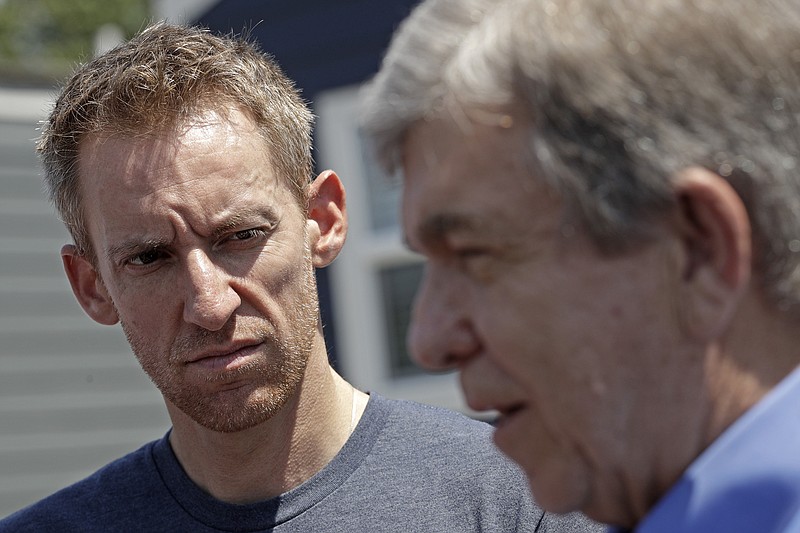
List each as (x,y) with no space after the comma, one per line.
(434,435)
(121,484)
(440,446)
(436,420)
(444,465)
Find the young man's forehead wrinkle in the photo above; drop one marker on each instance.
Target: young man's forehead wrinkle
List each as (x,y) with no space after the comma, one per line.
(139,154)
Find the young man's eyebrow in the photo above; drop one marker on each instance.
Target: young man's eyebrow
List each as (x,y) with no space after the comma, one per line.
(245,217)
(131,247)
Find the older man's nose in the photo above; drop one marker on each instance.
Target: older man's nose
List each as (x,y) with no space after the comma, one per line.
(441,336)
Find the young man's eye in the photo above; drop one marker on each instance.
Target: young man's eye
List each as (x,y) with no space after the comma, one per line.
(146,258)
(247,234)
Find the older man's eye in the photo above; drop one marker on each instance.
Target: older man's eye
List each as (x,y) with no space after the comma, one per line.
(471,252)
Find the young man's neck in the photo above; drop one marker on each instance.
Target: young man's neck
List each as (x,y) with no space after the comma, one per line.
(278,455)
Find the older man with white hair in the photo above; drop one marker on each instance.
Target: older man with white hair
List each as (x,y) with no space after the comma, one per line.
(607,193)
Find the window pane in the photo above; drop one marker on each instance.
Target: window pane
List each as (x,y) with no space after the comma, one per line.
(383,192)
(398,286)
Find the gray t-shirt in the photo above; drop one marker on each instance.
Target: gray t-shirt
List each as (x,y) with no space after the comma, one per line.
(406,468)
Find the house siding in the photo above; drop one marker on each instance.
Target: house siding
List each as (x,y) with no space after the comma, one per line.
(72,396)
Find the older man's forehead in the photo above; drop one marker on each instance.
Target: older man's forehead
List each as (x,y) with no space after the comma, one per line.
(476,185)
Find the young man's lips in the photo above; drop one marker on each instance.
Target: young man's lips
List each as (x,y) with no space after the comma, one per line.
(226,360)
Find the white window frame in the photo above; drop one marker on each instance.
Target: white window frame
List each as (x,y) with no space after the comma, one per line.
(362,339)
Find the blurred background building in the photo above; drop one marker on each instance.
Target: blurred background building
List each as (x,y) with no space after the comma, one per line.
(72,396)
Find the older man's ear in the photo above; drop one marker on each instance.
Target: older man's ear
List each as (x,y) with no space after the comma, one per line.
(715,231)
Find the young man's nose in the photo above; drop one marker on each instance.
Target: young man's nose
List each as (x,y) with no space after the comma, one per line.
(210,299)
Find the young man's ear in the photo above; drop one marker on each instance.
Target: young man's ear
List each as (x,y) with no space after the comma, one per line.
(327,218)
(716,237)
(88,287)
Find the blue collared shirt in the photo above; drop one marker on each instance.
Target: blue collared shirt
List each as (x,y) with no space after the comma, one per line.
(747,481)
